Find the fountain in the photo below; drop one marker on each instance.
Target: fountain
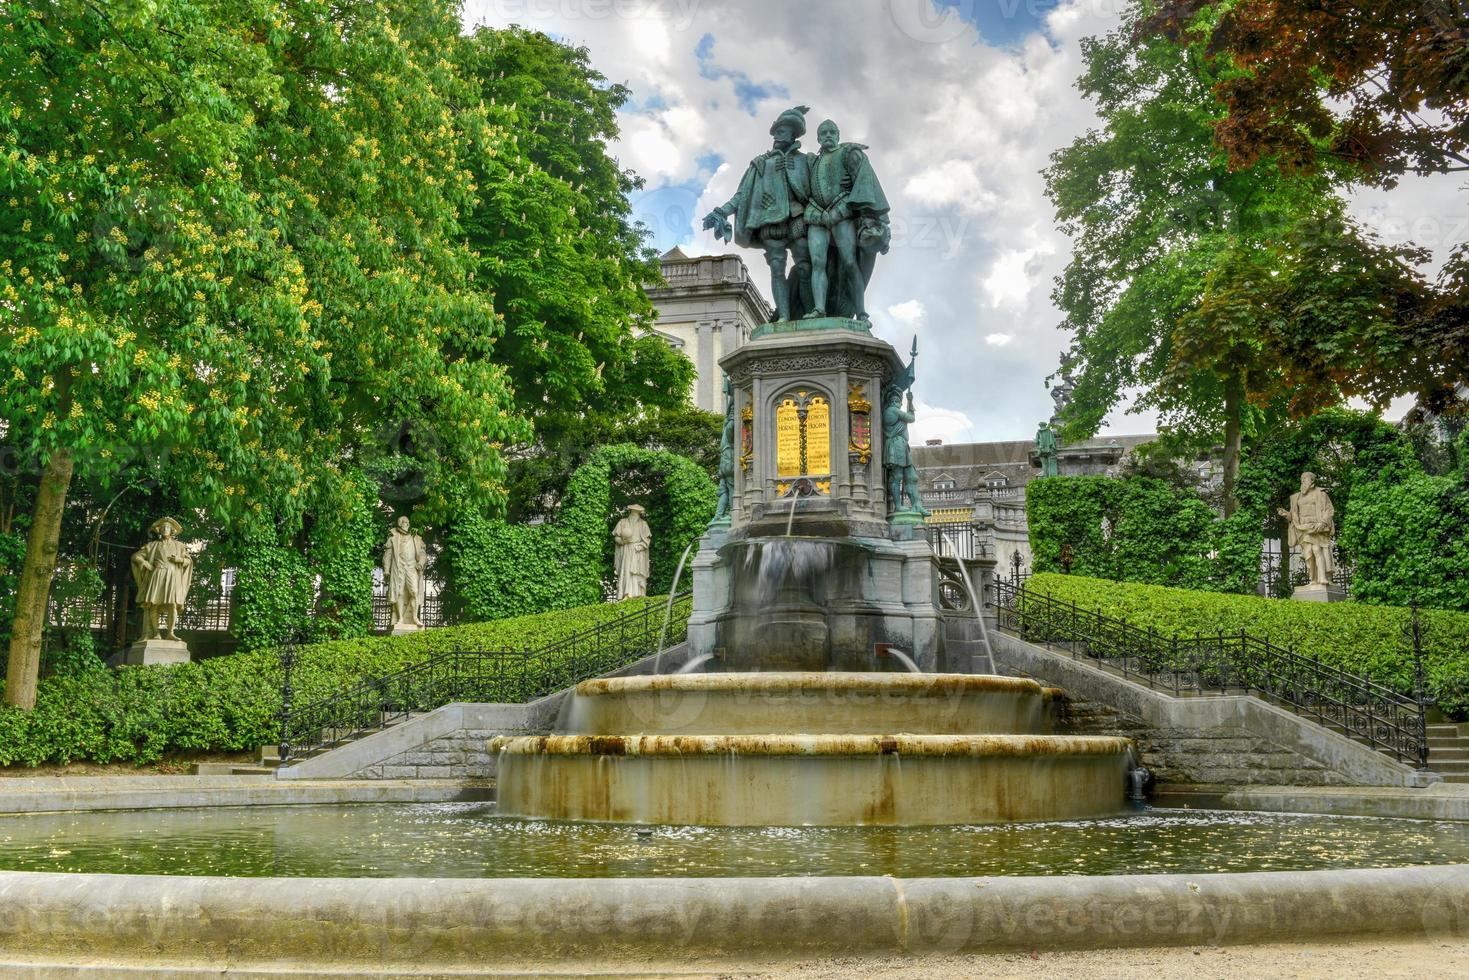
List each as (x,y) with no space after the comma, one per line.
(811,697)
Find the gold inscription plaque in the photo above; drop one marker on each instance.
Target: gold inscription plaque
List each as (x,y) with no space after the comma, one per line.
(818,437)
(802,435)
(788,439)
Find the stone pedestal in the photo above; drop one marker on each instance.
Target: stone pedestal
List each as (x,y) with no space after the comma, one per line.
(1317,593)
(402,629)
(147,652)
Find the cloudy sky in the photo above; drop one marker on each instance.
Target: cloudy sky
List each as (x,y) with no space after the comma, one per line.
(961,102)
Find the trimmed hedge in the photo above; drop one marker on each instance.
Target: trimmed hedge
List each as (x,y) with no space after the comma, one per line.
(498,569)
(1159,533)
(1362,639)
(231,704)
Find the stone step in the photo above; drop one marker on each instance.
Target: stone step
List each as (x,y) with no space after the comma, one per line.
(1447,766)
(1440,754)
(1455,777)
(1447,729)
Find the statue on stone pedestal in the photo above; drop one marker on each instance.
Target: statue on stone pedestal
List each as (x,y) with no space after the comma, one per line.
(633,538)
(769,211)
(1313,529)
(1047,449)
(726,456)
(162,571)
(404,561)
(897,459)
(849,210)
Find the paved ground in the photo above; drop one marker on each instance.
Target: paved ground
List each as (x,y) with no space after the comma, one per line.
(1367,961)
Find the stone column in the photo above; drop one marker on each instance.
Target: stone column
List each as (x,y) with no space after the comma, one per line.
(704,362)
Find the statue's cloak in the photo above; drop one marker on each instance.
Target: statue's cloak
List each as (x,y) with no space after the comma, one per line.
(768,198)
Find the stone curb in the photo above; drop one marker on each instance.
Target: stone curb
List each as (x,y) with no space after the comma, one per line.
(44,795)
(376,924)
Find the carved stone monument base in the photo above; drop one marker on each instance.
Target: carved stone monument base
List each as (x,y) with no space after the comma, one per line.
(402,629)
(147,652)
(1317,593)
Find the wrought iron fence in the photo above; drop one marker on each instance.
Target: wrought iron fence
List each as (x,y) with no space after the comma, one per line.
(957,539)
(1281,572)
(1236,663)
(507,676)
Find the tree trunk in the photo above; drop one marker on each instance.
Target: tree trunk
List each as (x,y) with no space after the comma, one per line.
(1234,396)
(36,573)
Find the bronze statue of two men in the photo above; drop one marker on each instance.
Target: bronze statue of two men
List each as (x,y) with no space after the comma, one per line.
(825,209)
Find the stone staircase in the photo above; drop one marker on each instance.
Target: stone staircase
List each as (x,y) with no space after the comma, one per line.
(268,757)
(1448,751)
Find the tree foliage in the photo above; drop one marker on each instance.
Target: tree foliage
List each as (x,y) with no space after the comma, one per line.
(1382,84)
(555,242)
(1380,87)
(1233,297)
(253,249)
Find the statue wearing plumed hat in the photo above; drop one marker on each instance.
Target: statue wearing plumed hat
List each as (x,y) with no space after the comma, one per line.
(769,211)
(163,571)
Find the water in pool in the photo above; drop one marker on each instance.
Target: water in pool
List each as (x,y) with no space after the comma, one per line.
(469,840)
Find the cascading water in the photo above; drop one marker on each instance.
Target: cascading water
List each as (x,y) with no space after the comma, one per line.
(805,721)
(668,606)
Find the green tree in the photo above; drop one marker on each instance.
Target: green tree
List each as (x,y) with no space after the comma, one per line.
(555,241)
(1381,85)
(1198,282)
(232,242)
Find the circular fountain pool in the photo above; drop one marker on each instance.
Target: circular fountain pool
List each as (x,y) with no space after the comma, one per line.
(468,840)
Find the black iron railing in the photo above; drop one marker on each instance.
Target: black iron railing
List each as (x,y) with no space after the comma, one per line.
(957,539)
(473,676)
(1227,663)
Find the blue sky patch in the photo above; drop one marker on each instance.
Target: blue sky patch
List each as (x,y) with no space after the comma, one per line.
(1003,22)
(750,93)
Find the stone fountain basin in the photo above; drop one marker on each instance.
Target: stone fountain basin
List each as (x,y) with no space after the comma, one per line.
(794,702)
(811,780)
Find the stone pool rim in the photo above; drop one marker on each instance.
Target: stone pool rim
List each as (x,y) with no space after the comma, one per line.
(64,922)
(837,746)
(778,682)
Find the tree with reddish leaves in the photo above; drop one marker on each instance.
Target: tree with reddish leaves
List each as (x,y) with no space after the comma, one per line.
(1379,84)
(1369,88)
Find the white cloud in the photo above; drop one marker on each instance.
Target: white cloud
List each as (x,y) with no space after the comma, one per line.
(912,313)
(951,182)
(998,339)
(947,424)
(1011,281)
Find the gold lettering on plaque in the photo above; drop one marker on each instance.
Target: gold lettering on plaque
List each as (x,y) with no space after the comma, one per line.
(803,435)
(818,437)
(788,438)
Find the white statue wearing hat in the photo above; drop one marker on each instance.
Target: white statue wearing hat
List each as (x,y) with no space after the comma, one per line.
(632,536)
(162,570)
(404,561)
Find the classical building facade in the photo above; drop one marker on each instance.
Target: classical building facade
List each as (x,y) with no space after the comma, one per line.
(707,309)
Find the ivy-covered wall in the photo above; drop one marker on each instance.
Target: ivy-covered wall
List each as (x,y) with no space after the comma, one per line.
(1136,530)
(497,569)
(1410,538)
(277,582)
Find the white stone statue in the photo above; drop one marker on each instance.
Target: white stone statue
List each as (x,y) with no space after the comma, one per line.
(163,571)
(632,536)
(1313,529)
(404,560)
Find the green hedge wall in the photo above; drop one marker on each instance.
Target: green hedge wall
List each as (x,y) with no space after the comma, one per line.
(497,569)
(1160,533)
(1363,639)
(231,704)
